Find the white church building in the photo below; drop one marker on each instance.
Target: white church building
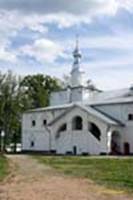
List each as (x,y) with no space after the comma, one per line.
(81,120)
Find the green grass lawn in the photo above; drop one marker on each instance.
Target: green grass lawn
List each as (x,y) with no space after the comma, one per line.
(4,168)
(114,173)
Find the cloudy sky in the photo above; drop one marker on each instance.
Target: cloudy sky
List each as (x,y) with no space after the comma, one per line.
(38,36)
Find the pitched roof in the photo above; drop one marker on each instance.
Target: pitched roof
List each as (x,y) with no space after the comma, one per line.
(49,108)
(92,111)
(121,100)
(113,97)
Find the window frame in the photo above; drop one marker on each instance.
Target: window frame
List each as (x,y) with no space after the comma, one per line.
(32,144)
(44,122)
(33,123)
(130,117)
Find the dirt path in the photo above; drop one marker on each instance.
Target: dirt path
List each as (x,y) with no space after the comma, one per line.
(33,181)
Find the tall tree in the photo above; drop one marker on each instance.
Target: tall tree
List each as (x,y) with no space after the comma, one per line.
(9,108)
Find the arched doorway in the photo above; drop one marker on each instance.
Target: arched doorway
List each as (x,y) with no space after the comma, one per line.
(115,143)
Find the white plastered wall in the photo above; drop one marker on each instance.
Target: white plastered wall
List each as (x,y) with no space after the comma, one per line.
(39,133)
(120,112)
(83,140)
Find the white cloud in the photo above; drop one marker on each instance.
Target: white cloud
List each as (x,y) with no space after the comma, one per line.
(127,4)
(43,50)
(64,6)
(10,24)
(15,21)
(7,56)
(80,7)
(65,12)
(116,79)
(123,41)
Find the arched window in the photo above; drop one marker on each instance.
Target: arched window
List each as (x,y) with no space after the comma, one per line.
(94,130)
(77,123)
(62,128)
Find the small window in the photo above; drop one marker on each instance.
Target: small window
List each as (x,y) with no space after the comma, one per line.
(77,123)
(44,122)
(33,122)
(32,144)
(130,117)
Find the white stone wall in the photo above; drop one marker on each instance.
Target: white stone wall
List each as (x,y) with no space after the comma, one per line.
(40,139)
(76,77)
(83,140)
(77,94)
(120,112)
(38,133)
(59,98)
(45,140)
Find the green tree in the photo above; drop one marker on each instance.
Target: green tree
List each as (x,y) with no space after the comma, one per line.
(9,107)
(38,88)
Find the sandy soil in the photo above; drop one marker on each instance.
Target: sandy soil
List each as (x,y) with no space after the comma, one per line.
(33,181)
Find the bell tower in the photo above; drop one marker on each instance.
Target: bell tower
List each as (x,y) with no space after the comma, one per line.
(76,73)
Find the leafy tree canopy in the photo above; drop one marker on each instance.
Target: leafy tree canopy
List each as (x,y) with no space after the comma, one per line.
(38,88)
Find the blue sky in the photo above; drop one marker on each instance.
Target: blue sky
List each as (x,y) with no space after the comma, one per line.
(38,36)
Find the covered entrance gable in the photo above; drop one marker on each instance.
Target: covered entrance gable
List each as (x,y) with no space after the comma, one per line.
(80,130)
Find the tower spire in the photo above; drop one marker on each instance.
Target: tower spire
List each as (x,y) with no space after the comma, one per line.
(76,54)
(77,41)
(76,73)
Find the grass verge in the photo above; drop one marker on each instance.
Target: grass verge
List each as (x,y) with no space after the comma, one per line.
(4,167)
(115,173)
